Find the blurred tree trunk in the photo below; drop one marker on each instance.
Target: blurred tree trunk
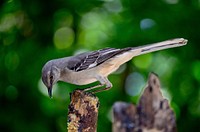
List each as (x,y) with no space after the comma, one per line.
(152,114)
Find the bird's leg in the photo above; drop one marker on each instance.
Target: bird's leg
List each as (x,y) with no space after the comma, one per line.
(104,81)
(90,88)
(101,90)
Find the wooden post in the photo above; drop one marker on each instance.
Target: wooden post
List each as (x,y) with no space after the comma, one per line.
(124,117)
(152,114)
(83,112)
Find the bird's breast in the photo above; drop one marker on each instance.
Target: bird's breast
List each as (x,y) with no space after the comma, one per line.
(79,78)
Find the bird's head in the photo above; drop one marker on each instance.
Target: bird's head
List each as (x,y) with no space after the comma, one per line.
(50,75)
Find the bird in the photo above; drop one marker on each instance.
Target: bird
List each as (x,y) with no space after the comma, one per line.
(93,66)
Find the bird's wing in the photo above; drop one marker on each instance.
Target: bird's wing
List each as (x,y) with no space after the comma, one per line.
(92,59)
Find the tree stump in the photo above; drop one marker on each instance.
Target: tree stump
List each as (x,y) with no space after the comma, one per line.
(83,112)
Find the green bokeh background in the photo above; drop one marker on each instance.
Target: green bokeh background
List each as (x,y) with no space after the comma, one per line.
(34,31)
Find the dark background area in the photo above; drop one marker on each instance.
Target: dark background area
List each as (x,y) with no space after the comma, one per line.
(34,31)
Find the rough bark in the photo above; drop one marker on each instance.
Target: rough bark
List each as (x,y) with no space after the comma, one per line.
(83,112)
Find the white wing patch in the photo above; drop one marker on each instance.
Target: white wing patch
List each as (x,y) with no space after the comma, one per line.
(95,58)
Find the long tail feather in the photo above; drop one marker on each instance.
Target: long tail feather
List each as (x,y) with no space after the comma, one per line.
(162,45)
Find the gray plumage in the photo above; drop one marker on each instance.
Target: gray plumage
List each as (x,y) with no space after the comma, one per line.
(89,60)
(94,66)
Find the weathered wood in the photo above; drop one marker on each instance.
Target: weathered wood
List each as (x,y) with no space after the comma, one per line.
(83,112)
(124,117)
(152,114)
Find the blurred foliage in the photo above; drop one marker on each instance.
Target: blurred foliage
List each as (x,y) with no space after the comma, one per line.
(33,32)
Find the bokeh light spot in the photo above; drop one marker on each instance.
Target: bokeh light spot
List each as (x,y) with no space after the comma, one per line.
(63,38)
(143,61)
(92,20)
(96,28)
(171,1)
(11,92)
(147,23)
(7,22)
(163,65)
(12,60)
(94,37)
(114,6)
(134,84)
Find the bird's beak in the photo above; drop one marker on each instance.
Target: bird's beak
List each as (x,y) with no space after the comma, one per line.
(50,91)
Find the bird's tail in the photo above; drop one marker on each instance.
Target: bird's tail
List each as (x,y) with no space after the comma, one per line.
(128,53)
(161,45)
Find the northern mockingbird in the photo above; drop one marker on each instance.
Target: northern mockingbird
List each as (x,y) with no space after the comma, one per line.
(95,66)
